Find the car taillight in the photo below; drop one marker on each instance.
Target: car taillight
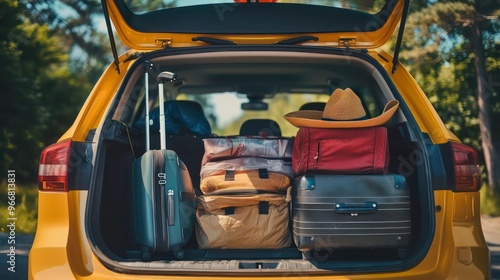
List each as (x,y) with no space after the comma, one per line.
(53,169)
(467,172)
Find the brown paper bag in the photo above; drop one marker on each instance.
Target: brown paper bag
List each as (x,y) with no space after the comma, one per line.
(255,221)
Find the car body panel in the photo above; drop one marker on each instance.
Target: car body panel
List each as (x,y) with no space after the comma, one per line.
(458,249)
(151,40)
(462,239)
(48,256)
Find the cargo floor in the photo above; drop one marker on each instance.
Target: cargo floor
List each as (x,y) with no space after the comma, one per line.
(298,265)
(323,256)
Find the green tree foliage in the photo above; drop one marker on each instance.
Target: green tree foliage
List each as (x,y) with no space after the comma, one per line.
(77,25)
(40,96)
(141,6)
(452,48)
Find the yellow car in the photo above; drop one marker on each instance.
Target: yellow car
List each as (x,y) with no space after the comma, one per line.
(235,61)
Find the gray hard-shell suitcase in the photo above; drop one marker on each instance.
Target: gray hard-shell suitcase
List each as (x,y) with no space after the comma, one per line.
(163,197)
(351,212)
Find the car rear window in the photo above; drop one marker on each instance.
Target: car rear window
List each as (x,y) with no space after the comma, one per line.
(223,110)
(368,6)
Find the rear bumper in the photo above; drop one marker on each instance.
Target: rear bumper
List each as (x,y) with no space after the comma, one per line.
(61,249)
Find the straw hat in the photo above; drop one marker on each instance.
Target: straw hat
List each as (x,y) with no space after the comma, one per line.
(343,110)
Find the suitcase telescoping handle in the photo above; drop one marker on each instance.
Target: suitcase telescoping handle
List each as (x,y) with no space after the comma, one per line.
(148,67)
(356,208)
(162,77)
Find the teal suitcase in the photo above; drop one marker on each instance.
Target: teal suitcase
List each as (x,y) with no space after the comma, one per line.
(163,198)
(163,202)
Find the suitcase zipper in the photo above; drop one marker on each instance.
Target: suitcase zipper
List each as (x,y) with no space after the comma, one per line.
(159,196)
(299,164)
(164,229)
(316,158)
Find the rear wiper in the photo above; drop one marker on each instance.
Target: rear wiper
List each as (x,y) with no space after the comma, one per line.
(291,41)
(213,41)
(297,40)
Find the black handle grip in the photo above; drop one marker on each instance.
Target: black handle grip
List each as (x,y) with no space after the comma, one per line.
(166,76)
(171,207)
(356,208)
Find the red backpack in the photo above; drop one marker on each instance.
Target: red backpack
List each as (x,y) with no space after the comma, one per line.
(341,151)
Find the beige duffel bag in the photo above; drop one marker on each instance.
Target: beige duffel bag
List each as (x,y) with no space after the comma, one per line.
(243,221)
(231,181)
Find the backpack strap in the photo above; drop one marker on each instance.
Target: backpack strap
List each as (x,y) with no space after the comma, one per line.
(263,207)
(229,175)
(229,211)
(263,173)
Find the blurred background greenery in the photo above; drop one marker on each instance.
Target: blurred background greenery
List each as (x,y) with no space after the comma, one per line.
(53,51)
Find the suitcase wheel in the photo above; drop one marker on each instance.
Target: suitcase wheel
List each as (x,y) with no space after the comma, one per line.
(179,254)
(146,256)
(306,255)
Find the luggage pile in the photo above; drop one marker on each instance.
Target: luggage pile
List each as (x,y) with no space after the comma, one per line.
(334,173)
(245,183)
(343,197)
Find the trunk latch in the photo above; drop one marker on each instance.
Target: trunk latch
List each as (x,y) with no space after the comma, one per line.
(163,43)
(347,42)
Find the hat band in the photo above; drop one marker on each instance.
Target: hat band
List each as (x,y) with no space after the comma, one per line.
(333,120)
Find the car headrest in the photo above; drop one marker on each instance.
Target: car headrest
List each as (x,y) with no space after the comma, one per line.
(190,116)
(190,104)
(260,127)
(181,117)
(317,106)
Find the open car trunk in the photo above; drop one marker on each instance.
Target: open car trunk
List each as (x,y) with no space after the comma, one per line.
(268,71)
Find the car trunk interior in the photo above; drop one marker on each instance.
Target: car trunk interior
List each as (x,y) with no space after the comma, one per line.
(252,72)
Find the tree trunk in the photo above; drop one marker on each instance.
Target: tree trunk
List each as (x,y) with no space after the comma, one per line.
(490,147)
